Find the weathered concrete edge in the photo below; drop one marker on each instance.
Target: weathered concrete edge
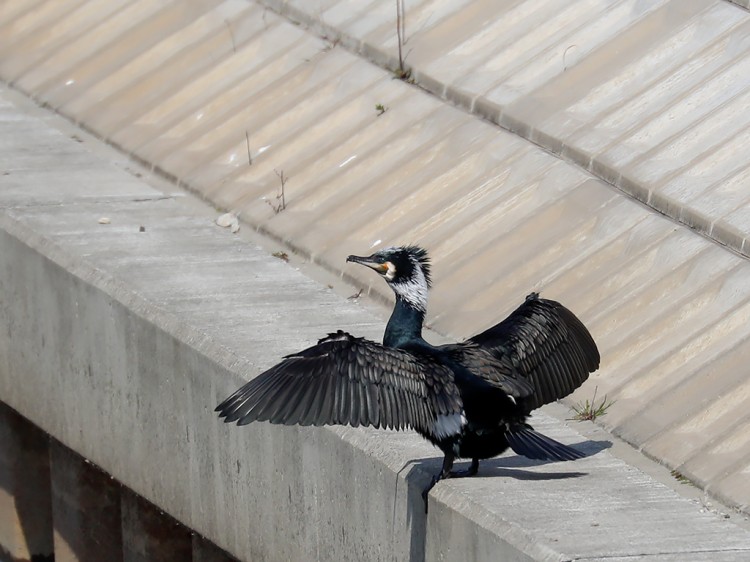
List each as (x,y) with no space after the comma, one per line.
(29,400)
(119,291)
(715,230)
(482,537)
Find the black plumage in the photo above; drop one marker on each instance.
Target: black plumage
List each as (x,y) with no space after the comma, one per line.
(470,399)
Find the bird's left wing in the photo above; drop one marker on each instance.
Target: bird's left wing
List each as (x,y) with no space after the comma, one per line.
(350,381)
(547,345)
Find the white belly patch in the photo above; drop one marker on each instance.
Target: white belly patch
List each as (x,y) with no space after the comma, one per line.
(447,425)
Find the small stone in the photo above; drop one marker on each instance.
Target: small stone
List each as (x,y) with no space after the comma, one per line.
(226,220)
(229,220)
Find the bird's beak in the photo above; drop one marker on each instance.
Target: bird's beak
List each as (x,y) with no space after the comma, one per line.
(369,262)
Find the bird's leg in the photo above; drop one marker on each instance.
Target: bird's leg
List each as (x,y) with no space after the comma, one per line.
(471,471)
(444,473)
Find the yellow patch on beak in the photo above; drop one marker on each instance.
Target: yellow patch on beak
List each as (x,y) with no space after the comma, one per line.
(389,270)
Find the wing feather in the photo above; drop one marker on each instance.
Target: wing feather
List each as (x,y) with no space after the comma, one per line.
(280,403)
(303,404)
(545,344)
(348,380)
(354,401)
(325,411)
(386,417)
(254,396)
(373,412)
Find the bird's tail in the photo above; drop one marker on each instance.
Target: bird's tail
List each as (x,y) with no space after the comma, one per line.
(527,442)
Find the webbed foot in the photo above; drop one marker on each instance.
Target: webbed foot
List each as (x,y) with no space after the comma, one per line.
(471,471)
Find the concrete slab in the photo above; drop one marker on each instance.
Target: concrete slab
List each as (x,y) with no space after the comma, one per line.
(59,31)
(568,76)
(610,84)
(182,117)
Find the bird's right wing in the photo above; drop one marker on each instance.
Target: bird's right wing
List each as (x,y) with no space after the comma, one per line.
(350,381)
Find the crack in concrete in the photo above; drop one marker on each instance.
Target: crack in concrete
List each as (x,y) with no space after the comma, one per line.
(87,201)
(647,555)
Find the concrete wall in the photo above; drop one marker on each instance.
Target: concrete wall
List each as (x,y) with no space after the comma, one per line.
(25,499)
(57,505)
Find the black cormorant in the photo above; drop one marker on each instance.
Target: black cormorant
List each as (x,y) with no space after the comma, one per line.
(470,399)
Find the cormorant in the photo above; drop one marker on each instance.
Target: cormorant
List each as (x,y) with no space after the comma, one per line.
(470,399)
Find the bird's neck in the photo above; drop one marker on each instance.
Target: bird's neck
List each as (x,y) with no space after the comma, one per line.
(405,324)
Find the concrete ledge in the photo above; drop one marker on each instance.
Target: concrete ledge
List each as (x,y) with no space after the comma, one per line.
(119,340)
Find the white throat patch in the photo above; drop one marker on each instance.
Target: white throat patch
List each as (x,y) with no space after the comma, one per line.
(413,291)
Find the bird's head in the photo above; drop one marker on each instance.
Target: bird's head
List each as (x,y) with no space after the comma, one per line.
(405,268)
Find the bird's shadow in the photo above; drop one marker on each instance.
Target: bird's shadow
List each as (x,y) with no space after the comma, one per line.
(418,473)
(513,466)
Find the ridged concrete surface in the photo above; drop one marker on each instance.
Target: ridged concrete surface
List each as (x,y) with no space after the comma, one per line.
(119,338)
(651,96)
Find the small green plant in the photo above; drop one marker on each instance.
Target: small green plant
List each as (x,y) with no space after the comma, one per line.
(589,411)
(680,477)
(403,74)
(380,108)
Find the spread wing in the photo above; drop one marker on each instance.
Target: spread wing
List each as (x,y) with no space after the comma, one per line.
(348,380)
(546,344)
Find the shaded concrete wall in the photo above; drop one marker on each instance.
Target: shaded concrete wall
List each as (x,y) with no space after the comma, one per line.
(56,505)
(25,501)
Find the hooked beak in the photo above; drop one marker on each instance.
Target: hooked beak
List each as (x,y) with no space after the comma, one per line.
(369,262)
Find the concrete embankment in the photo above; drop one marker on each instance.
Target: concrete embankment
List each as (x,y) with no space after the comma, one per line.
(119,336)
(519,167)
